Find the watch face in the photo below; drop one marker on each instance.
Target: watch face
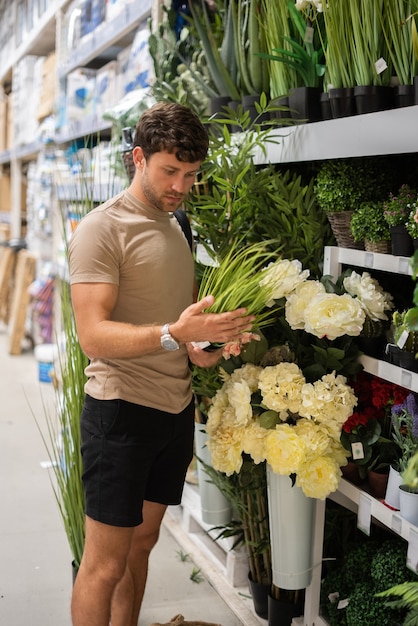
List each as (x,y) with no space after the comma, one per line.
(168,343)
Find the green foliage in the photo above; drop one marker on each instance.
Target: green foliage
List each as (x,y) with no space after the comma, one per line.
(251,203)
(388,565)
(181,73)
(407,599)
(365,609)
(402,325)
(368,222)
(368,42)
(235,282)
(196,575)
(247,492)
(183,556)
(344,184)
(398,24)
(303,56)
(62,435)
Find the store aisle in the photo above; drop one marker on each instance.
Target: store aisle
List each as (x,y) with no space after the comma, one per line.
(35,570)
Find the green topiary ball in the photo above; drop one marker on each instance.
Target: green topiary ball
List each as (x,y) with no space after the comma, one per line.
(364,609)
(388,565)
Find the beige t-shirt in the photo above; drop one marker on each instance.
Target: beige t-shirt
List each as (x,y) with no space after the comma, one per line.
(144,251)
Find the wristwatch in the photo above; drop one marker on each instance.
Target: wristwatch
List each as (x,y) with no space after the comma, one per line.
(167,341)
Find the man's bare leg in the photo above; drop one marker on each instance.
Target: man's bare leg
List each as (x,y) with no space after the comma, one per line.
(102,567)
(127,599)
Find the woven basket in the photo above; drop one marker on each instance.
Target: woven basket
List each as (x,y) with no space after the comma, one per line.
(340,225)
(377,246)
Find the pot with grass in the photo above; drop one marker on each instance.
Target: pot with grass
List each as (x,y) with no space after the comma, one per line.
(303,54)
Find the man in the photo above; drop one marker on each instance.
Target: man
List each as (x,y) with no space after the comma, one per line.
(132,283)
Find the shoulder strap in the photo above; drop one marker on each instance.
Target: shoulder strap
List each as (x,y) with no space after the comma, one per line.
(183,220)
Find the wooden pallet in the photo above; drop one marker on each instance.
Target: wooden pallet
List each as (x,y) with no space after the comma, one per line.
(24,276)
(7,265)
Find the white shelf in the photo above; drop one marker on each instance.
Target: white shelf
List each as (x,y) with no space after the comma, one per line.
(379,511)
(335,256)
(371,134)
(393,373)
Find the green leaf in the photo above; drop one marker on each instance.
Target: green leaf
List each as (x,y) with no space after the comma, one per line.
(269,419)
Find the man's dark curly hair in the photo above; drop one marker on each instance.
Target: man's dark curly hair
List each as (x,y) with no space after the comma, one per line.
(172,127)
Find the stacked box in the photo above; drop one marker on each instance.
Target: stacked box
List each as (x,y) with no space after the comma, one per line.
(26,88)
(3,123)
(135,65)
(48,87)
(113,8)
(81,85)
(105,92)
(5,193)
(93,13)
(9,124)
(71,36)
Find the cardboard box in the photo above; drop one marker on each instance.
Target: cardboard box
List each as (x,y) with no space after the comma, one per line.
(48,87)
(3,124)
(105,91)
(5,193)
(81,85)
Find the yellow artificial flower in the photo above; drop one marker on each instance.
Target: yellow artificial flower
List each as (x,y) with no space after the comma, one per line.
(253,441)
(316,440)
(319,477)
(226,450)
(239,396)
(284,450)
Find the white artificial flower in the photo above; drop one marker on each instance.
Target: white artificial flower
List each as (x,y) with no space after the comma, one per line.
(330,315)
(299,300)
(281,278)
(373,299)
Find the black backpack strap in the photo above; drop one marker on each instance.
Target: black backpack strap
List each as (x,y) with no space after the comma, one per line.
(183,220)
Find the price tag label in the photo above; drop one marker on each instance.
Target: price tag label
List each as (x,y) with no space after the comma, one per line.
(380,65)
(309,34)
(402,339)
(397,524)
(412,554)
(357,450)
(406,379)
(368,259)
(404,265)
(364,515)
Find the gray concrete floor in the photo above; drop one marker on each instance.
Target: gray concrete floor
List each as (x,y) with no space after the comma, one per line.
(35,563)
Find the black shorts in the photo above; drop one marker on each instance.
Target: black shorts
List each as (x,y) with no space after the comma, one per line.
(132,453)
